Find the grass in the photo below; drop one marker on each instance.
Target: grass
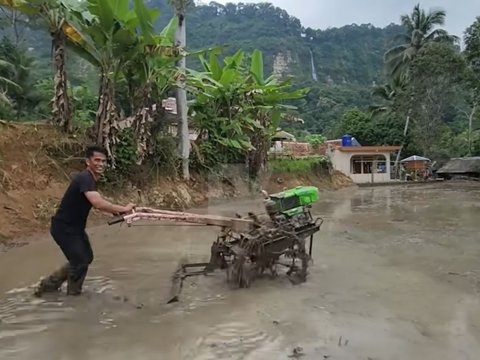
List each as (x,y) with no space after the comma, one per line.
(302,165)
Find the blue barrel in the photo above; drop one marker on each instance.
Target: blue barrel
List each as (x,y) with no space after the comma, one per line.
(347,140)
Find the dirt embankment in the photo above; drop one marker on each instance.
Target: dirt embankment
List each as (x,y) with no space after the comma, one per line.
(36,163)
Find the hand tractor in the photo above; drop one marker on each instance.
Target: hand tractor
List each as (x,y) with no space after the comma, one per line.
(248,246)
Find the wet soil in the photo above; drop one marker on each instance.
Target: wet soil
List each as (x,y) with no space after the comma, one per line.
(396,275)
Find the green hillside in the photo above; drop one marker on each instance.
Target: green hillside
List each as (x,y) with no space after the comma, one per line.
(340,64)
(352,54)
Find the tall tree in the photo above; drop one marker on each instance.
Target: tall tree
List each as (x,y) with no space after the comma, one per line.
(420,30)
(472,55)
(21,86)
(13,22)
(437,81)
(52,13)
(180,7)
(149,75)
(388,94)
(121,41)
(358,124)
(6,71)
(105,36)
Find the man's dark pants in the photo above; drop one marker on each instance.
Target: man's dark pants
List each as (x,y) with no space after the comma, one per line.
(76,247)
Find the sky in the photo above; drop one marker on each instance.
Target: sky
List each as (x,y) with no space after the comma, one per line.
(322,14)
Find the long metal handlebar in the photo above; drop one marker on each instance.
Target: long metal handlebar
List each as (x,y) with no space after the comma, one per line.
(144,213)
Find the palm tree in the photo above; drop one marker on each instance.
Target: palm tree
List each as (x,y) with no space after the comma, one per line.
(472,55)
(180,7)
(7,68)
(419,31)
(388,93)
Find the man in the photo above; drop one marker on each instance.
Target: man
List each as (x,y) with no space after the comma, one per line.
(68,225)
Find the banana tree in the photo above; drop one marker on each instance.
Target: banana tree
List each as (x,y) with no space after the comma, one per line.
(217,110)
(105,35)
(53,14)
(149,75)
(266,98)
(154,64)
(237,108)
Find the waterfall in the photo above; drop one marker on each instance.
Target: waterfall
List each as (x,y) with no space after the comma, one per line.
(314,72)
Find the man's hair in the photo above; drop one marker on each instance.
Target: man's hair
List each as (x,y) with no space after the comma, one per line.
(93,149)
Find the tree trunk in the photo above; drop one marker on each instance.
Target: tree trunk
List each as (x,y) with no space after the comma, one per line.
(184,141)
(131,93)
(143,121)
(405,131)
(61,110)
(470,128)
(19,108)
(106,121)
(257,158)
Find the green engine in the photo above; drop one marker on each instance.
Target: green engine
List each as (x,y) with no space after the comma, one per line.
(292,204)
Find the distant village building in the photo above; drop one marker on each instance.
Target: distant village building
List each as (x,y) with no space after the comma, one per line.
(278,141)
(363,164)
(415,163)
(284,144)
(468,167)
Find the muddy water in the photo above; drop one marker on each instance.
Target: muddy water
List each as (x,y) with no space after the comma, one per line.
(396,276)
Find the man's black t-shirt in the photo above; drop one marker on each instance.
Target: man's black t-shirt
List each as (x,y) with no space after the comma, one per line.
(75,207)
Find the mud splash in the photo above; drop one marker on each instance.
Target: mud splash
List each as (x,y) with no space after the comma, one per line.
(396,276)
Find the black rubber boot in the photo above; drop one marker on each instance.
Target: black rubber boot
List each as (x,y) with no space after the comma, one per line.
(74,285)
(53,282)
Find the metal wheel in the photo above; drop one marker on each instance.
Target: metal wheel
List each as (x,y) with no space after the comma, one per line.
(240,271)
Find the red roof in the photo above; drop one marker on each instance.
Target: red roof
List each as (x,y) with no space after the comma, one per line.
(304,149)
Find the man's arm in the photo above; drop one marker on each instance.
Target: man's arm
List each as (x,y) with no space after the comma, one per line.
(88,187)
(101,204)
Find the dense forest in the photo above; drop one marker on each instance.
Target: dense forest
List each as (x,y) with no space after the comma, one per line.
(408,83)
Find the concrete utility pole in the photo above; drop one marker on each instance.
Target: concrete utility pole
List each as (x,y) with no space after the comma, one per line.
(183,132)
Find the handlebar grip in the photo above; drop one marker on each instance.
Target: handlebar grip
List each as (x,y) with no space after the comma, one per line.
(116,220)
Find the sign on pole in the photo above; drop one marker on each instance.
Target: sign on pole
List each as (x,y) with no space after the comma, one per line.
(170,105)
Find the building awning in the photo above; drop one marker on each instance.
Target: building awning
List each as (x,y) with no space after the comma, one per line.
(372,149)
(283,135)
(415,158)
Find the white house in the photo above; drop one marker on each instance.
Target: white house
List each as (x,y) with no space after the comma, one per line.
(363,164)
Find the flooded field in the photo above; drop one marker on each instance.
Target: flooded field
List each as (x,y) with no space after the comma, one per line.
(396,275)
